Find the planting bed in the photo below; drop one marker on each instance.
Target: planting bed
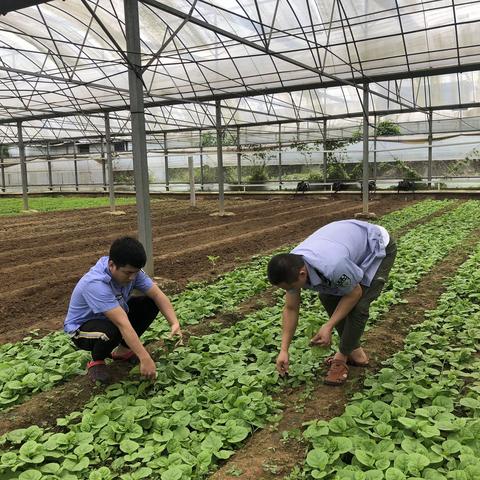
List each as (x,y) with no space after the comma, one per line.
(217,390)
(44,255)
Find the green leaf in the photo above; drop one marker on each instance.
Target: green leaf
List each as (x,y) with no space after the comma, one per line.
(408,422)
(237,434)
(224,454)
(470,402)
(163,437)
(103,473)
(213,442)
(173,473)
(374,475)
(382,463)
(9,459)
(417,462)
(394,474)
(52,468)
(429,431)
(401,462)
(76,466)
(317,474)
(451,447)
(144,472)
(382,429)
(83,449)
(317,458)
(443,401)
(204,460)
(342,444)
(128,446)
(337,425)
(30,475)
(364,458)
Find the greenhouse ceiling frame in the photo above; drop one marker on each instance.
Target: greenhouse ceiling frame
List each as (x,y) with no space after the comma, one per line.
(318,51)
(356,80)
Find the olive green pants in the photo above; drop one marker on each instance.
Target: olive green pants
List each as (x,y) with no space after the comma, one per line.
(351,328)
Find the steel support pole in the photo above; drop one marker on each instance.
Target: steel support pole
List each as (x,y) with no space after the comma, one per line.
(375,148)
(325,154)
(104,170)
(23,166)
(49,166)
(201,160)
(139,143)
(239,157)
(75,165)
(221,194)
(191,178)
(108,145)
(430,150)
(165,153)
(2,166)
(279,156)
(365,150)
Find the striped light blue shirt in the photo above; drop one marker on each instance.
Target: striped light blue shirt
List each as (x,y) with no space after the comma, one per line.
(342,254)
(97,292)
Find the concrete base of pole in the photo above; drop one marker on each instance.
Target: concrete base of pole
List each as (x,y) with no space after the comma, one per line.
(29,211)
(224,214)
(365,216)
(116,212)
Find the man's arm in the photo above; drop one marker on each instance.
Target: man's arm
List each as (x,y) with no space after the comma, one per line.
(118,316)
(165,307)
(346,304)
(289,325)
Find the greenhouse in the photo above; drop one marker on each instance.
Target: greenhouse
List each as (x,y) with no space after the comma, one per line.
(239,239)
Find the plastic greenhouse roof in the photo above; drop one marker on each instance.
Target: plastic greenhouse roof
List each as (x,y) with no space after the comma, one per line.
(64,63)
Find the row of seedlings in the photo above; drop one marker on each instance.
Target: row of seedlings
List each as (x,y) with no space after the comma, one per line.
(38,364)
(419,417)
(209,395)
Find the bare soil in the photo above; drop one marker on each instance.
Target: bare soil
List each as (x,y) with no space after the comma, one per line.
(44,255)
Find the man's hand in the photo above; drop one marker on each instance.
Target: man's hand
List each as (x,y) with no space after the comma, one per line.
(323,337)
(282,363)
(175,330)
(148,369)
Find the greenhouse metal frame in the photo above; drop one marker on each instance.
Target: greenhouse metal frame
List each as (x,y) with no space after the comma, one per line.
(82,69)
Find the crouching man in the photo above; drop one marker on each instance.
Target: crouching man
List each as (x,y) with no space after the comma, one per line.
(347,263)
(105,319)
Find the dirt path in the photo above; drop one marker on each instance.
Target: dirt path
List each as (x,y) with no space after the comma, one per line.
(43,256)
(266,456)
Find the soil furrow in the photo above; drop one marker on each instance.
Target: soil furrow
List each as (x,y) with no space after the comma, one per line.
(186,261)
(71,242)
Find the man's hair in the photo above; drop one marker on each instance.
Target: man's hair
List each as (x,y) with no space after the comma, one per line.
(128,251)
(284,268)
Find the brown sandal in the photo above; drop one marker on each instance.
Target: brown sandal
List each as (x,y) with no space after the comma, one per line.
(354,363)
(337,374)
(350,361)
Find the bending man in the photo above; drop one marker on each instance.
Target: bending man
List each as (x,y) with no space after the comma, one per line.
(347,263)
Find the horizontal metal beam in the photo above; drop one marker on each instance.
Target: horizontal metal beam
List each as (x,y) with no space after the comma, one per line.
(380,113)
(267,91)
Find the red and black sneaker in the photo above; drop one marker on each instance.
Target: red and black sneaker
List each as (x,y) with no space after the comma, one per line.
(97,371)
(129,357)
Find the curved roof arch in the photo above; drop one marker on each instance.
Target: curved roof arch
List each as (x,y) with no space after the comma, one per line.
(62,64)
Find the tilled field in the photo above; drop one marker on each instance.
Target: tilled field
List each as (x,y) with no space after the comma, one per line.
(223,379)
(43,256)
